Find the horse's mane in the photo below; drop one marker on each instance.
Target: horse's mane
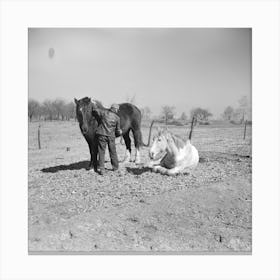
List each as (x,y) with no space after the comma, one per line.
(86,100)
(178,141)
(99,104)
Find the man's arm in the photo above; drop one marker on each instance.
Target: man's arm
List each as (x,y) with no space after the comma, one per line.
(118,128)
(97,112)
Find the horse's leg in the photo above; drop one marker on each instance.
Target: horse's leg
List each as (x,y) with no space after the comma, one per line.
(175,170)
(166,171)
(94,153)
(137,141)
(90,166)
(159,169)
(127,141)
(153,163)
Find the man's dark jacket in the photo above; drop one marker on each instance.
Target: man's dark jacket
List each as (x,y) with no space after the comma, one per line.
(109,122)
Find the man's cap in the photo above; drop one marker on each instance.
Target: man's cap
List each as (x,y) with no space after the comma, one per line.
(115,106)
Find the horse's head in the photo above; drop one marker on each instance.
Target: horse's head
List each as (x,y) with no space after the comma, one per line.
(159,146)
(84,113)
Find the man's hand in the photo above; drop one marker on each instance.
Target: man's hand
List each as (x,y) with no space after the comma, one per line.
(118,133)
(94,107)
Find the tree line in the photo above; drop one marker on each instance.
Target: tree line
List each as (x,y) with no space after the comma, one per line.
(57,109)
(234,115)
(168,115)
(240,114)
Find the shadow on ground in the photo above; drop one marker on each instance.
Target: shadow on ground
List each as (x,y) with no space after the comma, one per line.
(73,166)
(138,170)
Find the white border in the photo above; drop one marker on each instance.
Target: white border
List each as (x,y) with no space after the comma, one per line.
(262,16)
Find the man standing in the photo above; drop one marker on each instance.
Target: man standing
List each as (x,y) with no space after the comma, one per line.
(108,129)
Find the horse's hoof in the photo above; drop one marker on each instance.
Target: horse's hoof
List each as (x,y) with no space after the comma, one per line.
(171,174)
(154,169)
(89,167)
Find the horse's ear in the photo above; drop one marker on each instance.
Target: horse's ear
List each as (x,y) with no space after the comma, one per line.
(94,104)
(76,101)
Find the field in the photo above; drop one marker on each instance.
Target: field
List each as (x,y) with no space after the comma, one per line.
(133,210)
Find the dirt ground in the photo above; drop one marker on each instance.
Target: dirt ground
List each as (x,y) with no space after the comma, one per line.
(133,210)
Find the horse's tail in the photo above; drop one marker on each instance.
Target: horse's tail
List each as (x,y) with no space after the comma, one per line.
(141,137)
(190,134)
(149,137)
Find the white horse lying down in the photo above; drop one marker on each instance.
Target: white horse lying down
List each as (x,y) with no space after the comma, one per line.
(171,155)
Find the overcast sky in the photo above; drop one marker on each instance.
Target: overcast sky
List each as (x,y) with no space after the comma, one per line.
(185,67)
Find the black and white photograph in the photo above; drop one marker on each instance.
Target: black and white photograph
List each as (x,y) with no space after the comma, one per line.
(139,140)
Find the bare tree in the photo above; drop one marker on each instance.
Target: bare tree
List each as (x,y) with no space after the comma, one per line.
(242,112)
(168,113)
(146,113)
(59,105)
(41,111)
(69,110)
(228,113)
(244,108)
(200,114)
(183,117)
(49,110)
(33,107)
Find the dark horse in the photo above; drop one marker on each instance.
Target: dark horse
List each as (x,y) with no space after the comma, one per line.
(130,119)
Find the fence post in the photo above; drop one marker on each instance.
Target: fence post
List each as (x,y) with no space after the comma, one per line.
(244,136)
(39,137)
(150,131)
(190,134)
